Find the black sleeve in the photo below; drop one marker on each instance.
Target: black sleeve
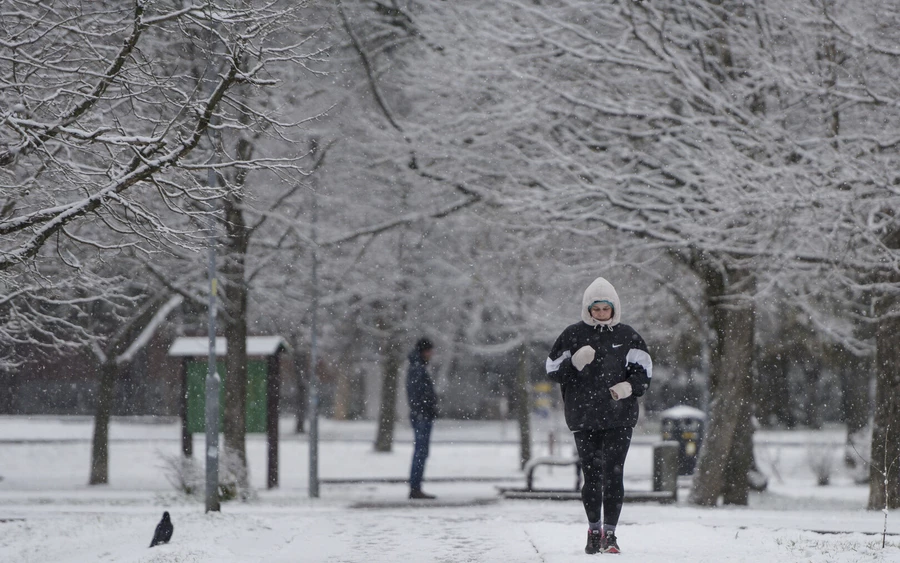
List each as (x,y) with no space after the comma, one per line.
(638,365)
(559,362)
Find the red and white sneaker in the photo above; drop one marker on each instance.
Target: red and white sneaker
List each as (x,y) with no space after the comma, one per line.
(594,542)
(609,544)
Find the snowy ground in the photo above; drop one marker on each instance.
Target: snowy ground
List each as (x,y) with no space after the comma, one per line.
(48,514)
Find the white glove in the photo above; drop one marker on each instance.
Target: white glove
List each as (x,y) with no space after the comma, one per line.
(620,390)
(583,357)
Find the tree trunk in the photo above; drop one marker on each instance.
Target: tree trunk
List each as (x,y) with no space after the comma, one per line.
(854,373)
(234,427)
(523,407)
(772,389)
(884,469)
(854,394)
(342,391)
(725,449)
(812,368)
(109,368)
(384,439)
(100,443)
(736,487)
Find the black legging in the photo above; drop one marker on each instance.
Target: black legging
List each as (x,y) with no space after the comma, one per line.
(602,454)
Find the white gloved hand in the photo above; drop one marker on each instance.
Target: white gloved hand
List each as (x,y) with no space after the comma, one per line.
(620,390)
(583,357)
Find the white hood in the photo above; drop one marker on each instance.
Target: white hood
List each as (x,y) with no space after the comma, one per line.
(601,290)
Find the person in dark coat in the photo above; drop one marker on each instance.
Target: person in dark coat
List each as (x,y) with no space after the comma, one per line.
(422,412)
(602,366)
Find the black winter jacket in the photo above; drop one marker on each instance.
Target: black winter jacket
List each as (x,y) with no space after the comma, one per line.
(420,389)
(621,355)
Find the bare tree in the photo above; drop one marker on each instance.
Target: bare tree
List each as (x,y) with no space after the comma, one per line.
(110,118)
(859,61)
(131,334)
(655,128)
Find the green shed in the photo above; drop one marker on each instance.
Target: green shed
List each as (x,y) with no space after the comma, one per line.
(263,378)
(196,395)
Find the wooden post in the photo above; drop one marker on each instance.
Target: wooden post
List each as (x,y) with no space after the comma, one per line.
(665,467)
(187,442)
(273,389)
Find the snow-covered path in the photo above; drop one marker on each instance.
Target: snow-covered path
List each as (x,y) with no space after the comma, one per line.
(49,515)
(281,529)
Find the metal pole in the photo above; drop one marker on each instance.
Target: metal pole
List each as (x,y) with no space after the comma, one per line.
(313,359)
(212,377)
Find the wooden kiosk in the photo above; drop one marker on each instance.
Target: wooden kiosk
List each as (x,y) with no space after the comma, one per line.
(263,389)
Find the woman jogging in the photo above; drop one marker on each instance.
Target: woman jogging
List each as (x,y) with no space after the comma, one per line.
(602,366)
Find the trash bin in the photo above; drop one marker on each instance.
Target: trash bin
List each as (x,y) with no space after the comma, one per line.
(685,425)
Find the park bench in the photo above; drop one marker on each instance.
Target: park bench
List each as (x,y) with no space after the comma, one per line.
(664,486)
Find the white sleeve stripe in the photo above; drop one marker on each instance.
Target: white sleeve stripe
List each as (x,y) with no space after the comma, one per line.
(553,365)
(641,358)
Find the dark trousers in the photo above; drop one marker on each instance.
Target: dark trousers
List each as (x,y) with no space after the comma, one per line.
(422,434)
(602,454)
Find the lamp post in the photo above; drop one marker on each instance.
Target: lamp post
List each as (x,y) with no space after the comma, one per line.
(313,359)
(212,375)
